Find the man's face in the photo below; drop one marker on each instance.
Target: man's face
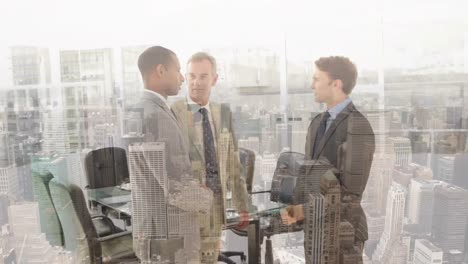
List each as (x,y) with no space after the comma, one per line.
(201,79)
(172,78)
(322,86)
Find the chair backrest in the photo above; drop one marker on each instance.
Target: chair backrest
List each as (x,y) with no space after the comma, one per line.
(247,160)
(79,231)
(106,167)
(50,223)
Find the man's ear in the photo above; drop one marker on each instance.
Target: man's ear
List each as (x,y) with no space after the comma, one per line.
(159,70)
(215,79)
(338,84)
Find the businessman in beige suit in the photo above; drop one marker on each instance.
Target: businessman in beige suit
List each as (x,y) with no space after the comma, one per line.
(213,151)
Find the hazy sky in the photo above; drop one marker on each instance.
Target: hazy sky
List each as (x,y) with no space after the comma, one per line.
(312,28)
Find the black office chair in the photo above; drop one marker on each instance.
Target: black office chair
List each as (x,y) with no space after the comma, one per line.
(80,232)
(106,167)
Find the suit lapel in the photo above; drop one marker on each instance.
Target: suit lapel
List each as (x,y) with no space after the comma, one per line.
(155,99)
(312,135)
(334,125)
(216,115)
(194,140)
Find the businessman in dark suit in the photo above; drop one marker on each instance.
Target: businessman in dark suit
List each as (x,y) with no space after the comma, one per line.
(342,136)
(165,198)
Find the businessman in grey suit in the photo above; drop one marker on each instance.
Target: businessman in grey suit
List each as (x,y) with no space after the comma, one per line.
(167,201)
(342,136)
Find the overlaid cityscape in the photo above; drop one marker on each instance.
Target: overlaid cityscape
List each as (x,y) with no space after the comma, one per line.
(59,104)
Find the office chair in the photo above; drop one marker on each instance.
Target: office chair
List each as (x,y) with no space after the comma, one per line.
(106,167)
(80,233)
(50,223)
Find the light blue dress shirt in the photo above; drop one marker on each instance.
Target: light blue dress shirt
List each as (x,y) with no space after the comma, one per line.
(334,111)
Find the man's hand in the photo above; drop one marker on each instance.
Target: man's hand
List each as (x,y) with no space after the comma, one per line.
(243,220)
(292,214)
(286,219)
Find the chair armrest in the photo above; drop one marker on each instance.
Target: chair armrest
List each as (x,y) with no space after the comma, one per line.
(104,225)
(234,253)
(114,236)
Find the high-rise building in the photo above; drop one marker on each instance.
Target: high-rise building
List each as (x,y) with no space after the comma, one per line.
(4,204)
(314,229)
(441,149)
(380,179)
(252,143)
(9,182)
(30,65)
(322,227)
(421,203)
(55,133)
(426,253)
(393,223)
(283,136)
(446,169)
(131,77)
(460,169)
(299,127)
(7,154)
(149,185)
(450,217)
(268,165)
(454,117)
(402,147)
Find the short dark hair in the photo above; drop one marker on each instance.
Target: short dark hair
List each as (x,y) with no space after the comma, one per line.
(339,68)
(154,56)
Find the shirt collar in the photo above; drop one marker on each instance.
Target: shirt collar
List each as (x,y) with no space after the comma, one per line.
(160,96)
(194,107)
(334,111)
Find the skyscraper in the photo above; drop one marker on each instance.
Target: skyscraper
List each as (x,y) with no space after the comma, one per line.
(252,143)
(426,253)
(322,224)
(421,202)
(4,203)
(314,229)
(149,185)
(402,147)
(393,223)
(450,217)
(445,168)
(30,65)
(9,182)
(55,134)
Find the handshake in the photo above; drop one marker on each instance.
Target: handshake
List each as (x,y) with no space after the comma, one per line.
(292,214)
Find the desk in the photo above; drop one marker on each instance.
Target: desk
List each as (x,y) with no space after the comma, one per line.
(119,200)
(114,198)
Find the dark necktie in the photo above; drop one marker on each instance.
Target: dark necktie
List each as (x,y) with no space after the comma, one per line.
(211,163)
(320,133)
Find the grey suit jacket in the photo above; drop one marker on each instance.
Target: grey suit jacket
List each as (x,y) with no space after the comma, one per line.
(349,146)
(183,196)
